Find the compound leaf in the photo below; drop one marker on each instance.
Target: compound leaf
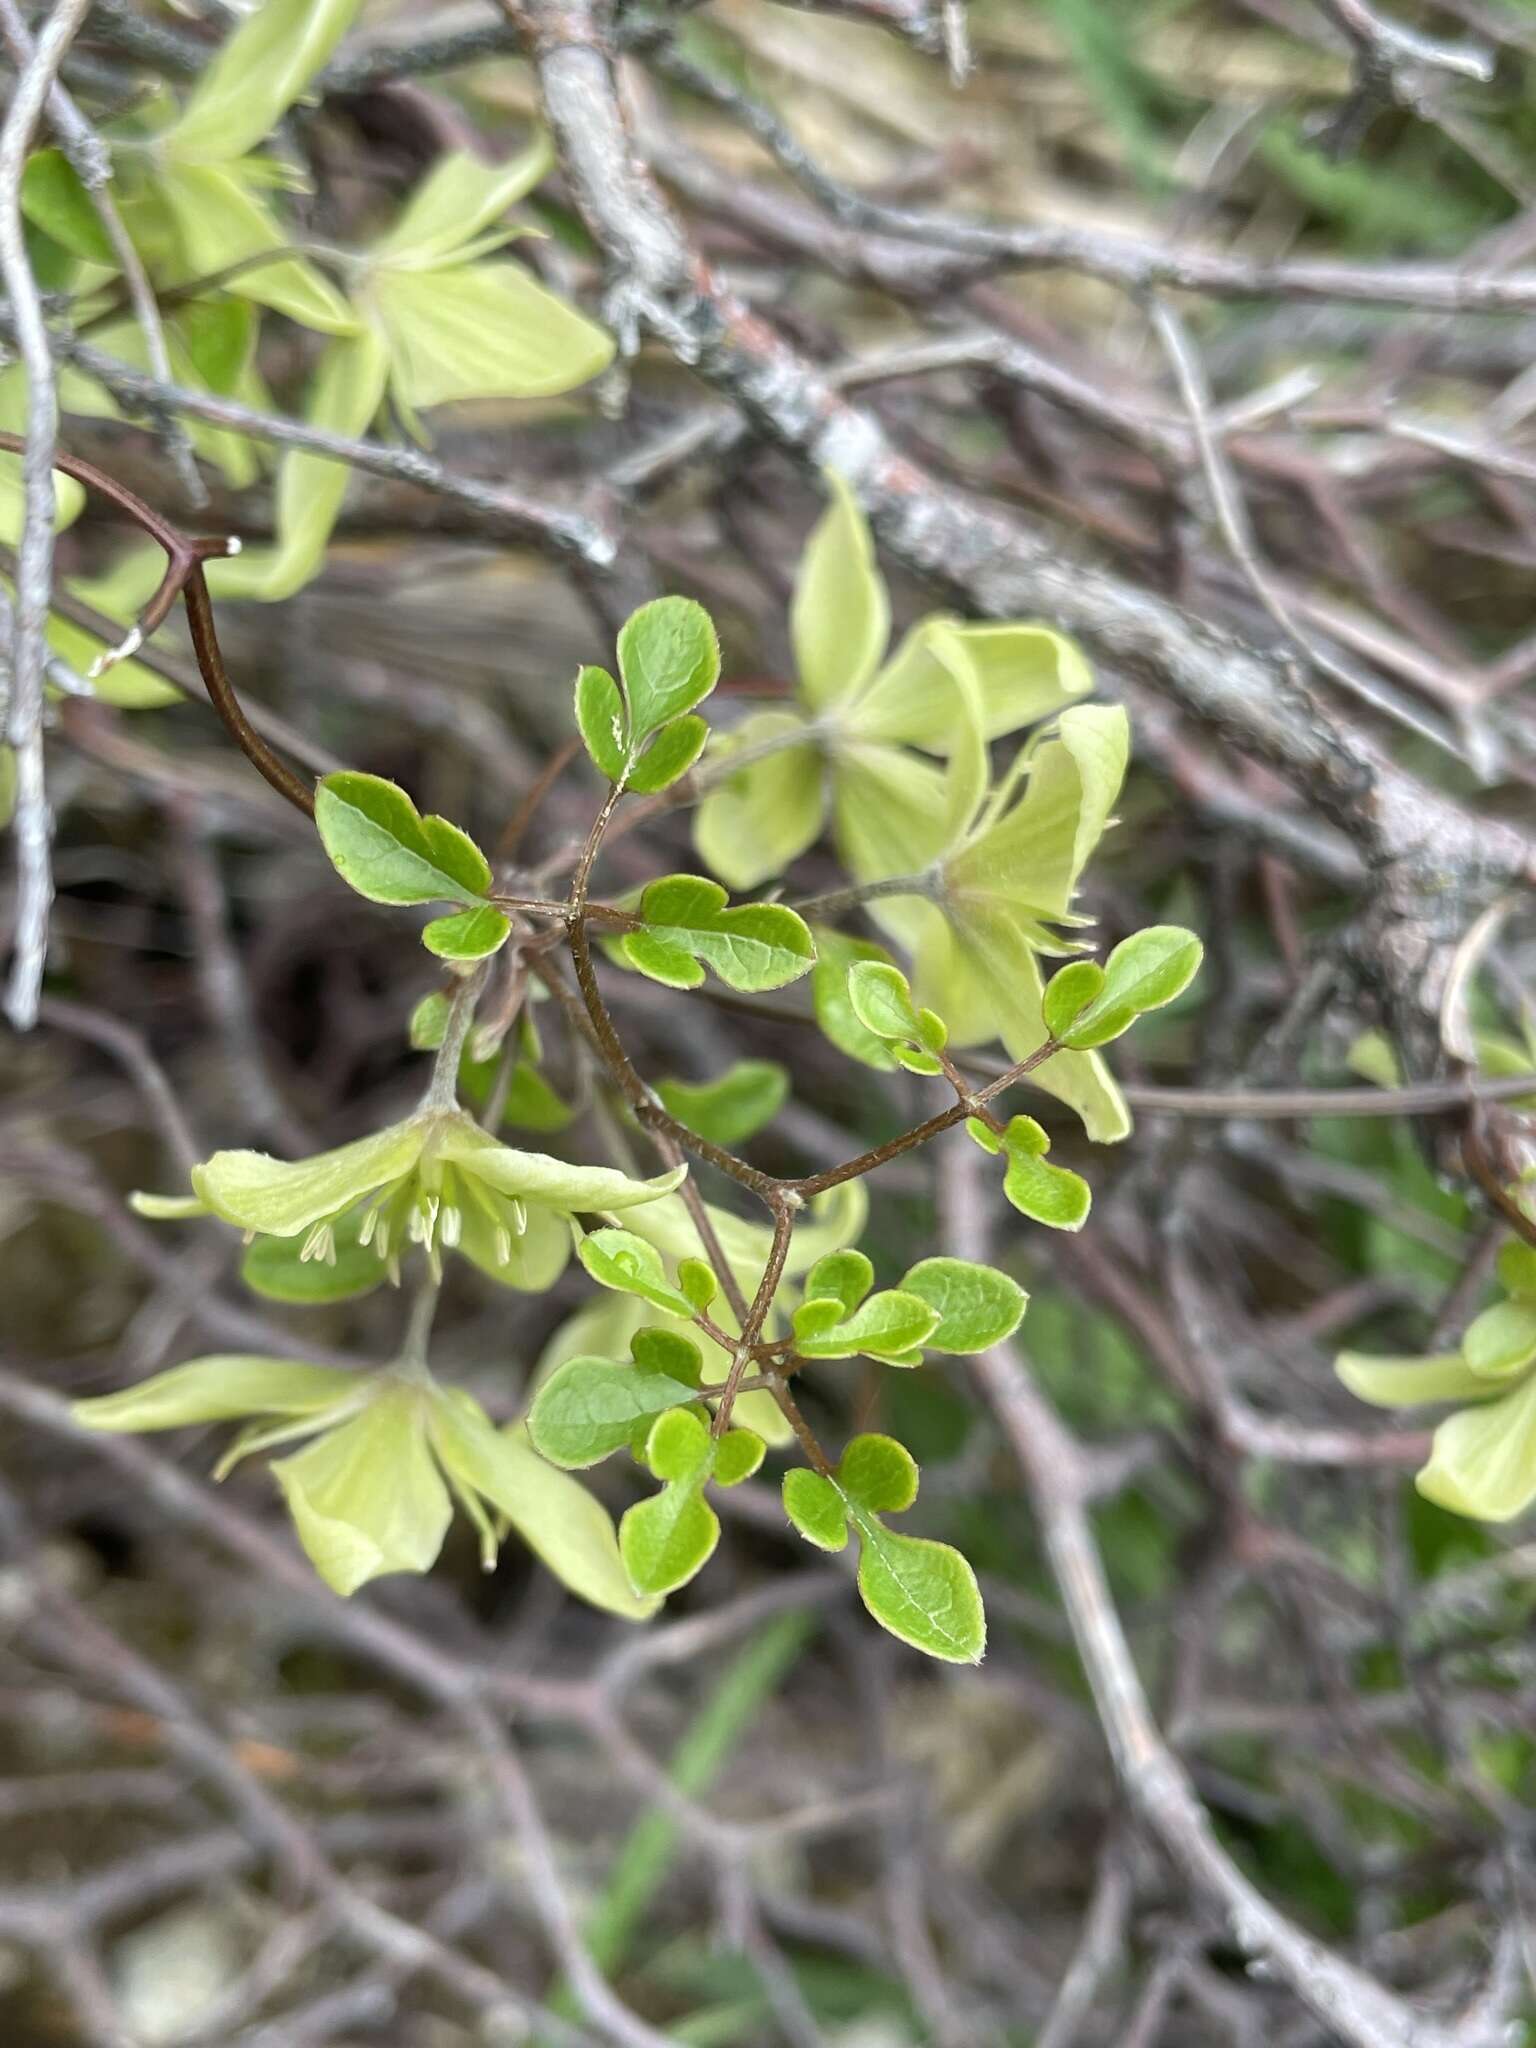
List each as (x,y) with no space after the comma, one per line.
(686,921)
(620,1260)
(386,850)
(1143,973)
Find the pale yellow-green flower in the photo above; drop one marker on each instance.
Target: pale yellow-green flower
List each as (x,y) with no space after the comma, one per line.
(435,1179)
(1483,1459)
(373,1492)
(861,740)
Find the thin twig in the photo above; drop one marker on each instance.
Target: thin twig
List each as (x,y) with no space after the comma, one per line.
(34,581)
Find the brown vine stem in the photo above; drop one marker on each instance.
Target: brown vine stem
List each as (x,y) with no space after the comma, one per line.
(183,578)
(757,1314)
(971,1103)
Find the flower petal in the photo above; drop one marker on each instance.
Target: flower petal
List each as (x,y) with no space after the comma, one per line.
(1410,1382)
(840,617)
(367,1498)
(1022,673)
(166,1208)
(1036,851)
(219,1389)
(535,1260)
(756,819)
(561,1523)
(283,1197)
(1484,1459)
(535,1177)
(890,810)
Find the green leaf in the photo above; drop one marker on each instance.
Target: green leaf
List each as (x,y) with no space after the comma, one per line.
(481,330)
(668,1351)
(368,1498)
(758,818)
(665,1540)
(669,659)
(917,1062)
(983,969)
(1143,973)
(842,1276)
(669,756)
(1410,1382)
(879,1474)
(753,947)
(602,721)
(1517,1269)
(257,75)
(733,1108)
(698,1283)
(889,1326)
(467,934)
(53,196)
(219,336)
(1068,993)
(737,1456)
(924,1593)
(1047,1194)
(840,617)
(531,1103)
(1501,1341)
(882,1000)
(836,955)
(386,850)
(817,1508)
(977,1306)
(592,1407)
(219,1389)
(619,1259)
(1483,1462)
(882,1003)
(429,1020)
(277,1268)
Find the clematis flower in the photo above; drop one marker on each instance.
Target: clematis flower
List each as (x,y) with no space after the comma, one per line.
(862,738)
(435,1179)
(1000,896)
(1482,1461)
(391,1452)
